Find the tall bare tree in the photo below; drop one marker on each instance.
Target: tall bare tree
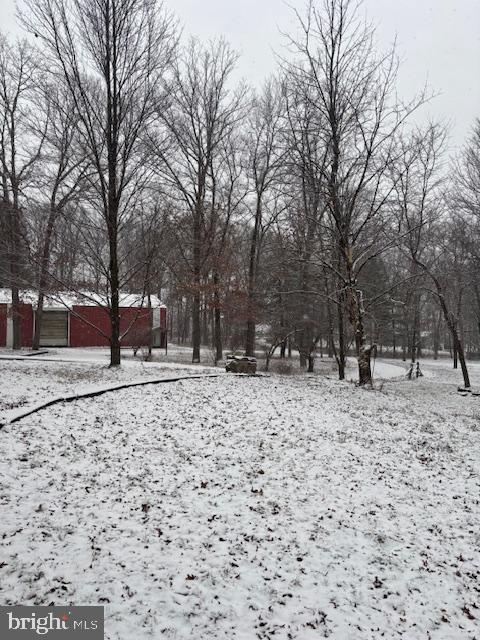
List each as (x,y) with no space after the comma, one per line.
(265,155)
(63,172)
(113,56)
(20,148)
(306,164)
(202,114)
(419,188)
(353,91)
(466,193)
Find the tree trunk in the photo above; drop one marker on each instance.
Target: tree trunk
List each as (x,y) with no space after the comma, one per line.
(363,355)
(394,343)
(311,352)
(311,363)
(196,324)
(250,337)
(356,315)
(115,324)
(356,319)
(342,356)
(217,321)
(38,321)
(413,349)
(114,277)
(364,367)
(15,273)
(436,338)
(150,316)
(331,332)
(252,277)
(452,326)
(404,339)
(113,205)
(463,364)
(414,334)
(477,312)
(207,321)
(303,356)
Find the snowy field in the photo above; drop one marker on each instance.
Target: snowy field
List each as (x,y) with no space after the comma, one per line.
(31,380)
(28,381)
(279,507)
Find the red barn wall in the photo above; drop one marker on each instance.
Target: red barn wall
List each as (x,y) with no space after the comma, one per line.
(83,334)
(26,324)
(81,331)
(140,321)
(26,314)
(3,325)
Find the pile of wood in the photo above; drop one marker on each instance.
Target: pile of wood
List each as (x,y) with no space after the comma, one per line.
(241,364)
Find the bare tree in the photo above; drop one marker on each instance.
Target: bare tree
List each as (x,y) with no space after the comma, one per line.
(466,192)
(113,56)
(421,207)
(265,160)
(464,202)
(201,116)
(20,148)
(64,171)
(230,194)
(352,89)
(306,163)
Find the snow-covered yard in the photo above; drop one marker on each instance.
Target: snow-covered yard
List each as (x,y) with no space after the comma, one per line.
(28,381)
(240,508)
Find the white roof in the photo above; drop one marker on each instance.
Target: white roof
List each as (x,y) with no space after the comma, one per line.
(87,298)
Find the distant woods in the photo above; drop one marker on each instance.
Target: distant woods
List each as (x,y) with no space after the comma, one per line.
(309,215)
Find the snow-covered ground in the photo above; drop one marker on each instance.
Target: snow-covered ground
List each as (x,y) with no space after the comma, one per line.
(274,507)
(29,380)
(101,355)
(34,379)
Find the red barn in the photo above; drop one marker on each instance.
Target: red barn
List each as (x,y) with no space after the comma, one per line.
(82,321)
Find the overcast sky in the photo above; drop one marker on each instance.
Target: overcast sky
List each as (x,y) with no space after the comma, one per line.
(439,42)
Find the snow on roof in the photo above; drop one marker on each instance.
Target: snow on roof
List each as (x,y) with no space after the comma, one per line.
(87,298)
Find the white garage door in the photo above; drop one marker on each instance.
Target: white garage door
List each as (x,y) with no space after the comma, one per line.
(54,331)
